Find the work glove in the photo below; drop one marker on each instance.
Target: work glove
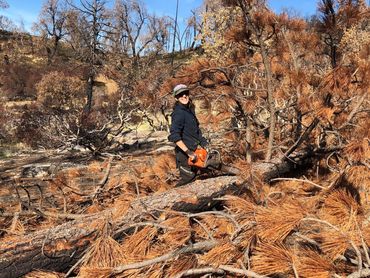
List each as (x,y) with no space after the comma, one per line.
(192,156)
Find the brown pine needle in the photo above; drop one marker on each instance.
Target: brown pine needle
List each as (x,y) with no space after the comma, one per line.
(96,272)
(272,258)
(359,176)
(196,247)
(179,234)
(139,244)
(246,235)
(104,252)
(156,271)
(345,235)
(16,228)
(225,253)
(333,243)
(44,274)
(183,263)
(215,226)
(358,150)
(276,222)
(366,234)
(299,180)
(341,209)
(312,265)
(238,205)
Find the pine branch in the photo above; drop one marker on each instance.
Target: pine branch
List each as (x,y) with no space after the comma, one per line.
(200,246)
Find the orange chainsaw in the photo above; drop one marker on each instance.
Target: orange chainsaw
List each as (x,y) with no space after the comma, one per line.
(211,160)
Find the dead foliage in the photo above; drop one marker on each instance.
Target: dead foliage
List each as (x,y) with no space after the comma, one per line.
(340,208)
(271,258)
(311,264)
(277,222)
(225,253)
(139,244)
(44,274)
(333,243)
(183,263)
(216,226)
(178,232)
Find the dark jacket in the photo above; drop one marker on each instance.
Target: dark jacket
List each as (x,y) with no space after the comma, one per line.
(185,127)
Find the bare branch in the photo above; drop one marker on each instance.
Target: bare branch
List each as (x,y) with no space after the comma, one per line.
(196,247)
(200,271)
(300,180)
(247,273)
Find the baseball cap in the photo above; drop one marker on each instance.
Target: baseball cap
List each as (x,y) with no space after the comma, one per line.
(180,89)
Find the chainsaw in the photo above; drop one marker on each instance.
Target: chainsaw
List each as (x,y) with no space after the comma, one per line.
(211,159)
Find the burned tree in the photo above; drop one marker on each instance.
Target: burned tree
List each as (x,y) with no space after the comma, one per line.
(87,27)
(334,17)
(52,26)
(135,32)
(4,21)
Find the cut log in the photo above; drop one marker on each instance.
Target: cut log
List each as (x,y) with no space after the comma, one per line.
(60,247)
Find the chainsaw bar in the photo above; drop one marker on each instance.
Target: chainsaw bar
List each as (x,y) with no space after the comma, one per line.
(229,169)
(213,161)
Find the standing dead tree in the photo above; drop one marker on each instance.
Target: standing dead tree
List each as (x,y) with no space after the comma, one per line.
(87,26)
(52,26)
(259,28)
(334,18)
(3,19)
(135,32)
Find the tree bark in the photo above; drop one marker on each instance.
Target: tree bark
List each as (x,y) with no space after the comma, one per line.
(270,97)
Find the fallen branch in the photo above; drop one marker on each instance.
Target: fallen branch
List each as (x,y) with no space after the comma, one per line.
(200,271)
(300,180)
(360,274)
(302,138)
(103,181)
(351,260)
(245,272)
(38,212)
(200,246)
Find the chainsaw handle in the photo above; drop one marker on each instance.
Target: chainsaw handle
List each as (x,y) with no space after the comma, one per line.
(193,157)
(198,158)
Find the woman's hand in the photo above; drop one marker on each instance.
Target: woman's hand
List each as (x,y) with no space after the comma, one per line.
(191,155)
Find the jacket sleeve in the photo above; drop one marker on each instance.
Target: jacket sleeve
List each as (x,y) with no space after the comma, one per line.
(203,141)
(177,127)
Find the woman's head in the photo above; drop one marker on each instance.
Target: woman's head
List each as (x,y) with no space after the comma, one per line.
(181,93)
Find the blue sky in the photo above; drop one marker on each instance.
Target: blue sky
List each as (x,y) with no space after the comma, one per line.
(28,10)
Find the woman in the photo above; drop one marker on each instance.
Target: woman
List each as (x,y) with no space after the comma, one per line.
(185,133)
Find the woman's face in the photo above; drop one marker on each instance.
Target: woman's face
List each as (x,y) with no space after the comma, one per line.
(183,98)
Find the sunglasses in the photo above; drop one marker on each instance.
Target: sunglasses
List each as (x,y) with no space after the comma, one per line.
(182,94)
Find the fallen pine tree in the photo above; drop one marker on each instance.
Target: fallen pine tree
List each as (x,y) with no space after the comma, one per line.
(58,248)
(223,225)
